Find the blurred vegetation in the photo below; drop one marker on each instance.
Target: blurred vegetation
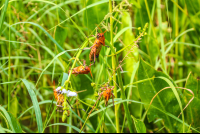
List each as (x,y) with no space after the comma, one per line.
(153,62)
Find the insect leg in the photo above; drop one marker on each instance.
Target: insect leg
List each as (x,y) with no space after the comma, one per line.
(84,62)
(59,106)
(112,88)
(91,64)
(106,102)
(59,110)
(86,48)
(92,46)
(106,46)
(91,73)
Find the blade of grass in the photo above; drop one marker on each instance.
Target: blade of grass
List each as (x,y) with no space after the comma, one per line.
(161,36)
(65,124)
(114,68)
(51,38)
(3,13)
(2,130)
(7,118)
(114,65)
(176,29)
(83,122)
(9,64)
(15,123)
(40,103)
(133,101)
(100,123)
(172,43)
(177,97)
(30,88)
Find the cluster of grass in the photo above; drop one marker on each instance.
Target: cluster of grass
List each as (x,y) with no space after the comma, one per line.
(153,62)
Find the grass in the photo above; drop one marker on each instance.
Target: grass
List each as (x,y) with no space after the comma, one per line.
(153,45)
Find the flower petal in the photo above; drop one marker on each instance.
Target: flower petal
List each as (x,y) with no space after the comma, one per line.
(70,94)
(58,88)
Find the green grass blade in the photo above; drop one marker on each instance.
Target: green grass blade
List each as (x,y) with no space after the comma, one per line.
(82,121)
(163,62)
(30,88)
(2,130)
(7,118)
(177,97)
(100,123)
(65,124)
(15,123)
(51,38)
(3,13)
(40,103)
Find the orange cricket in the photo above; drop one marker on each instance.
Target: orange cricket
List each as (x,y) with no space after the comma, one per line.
(107,94)
(83,69)
(96,47)
(59,97)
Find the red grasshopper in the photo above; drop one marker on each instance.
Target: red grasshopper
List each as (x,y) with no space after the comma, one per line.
(59,96)
(107,93)
(83,69)
(96,47)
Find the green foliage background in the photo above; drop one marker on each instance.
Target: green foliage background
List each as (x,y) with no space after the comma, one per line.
(157,75)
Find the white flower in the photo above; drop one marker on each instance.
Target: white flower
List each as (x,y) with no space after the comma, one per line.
(70,93)
(58,88)
(67,92)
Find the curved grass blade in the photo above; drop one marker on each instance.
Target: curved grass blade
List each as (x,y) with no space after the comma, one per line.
(2,130)
(40,103)
(15,123)
(166,101)
(82,121)
(3,13)
(7,118)
(65,124)
(119,100)
(51,38)
(193,109)
(100,123)
(30,88)
(177,97)
(5,130)
(50,64)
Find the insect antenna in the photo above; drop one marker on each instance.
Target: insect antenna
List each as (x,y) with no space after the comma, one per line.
(99,28)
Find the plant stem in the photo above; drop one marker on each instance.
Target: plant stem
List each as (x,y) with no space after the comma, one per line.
(9,70)
(114,65)
(114,68)
(175,21)
(161,37)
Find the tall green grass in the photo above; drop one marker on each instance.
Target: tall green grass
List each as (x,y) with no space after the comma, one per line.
(152,61)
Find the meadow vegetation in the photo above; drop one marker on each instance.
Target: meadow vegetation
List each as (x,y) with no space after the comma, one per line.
(151,62)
